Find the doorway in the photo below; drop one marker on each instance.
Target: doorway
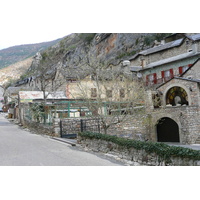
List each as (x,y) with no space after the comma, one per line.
(167,130)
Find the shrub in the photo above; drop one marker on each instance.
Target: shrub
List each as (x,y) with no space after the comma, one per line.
(87,37)
(164,151)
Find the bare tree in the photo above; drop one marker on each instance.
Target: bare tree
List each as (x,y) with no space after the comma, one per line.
(48,76)
(108,92)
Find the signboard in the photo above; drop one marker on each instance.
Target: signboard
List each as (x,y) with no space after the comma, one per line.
(29,96)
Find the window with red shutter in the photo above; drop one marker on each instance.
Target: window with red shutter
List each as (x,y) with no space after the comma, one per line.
(171,73)
(147,79)
(155,78)
(163,74)
(180,70)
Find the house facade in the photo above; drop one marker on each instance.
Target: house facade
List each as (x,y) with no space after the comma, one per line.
(176,118)
(161,63)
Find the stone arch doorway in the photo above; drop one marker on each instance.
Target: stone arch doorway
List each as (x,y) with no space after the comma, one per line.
(176,96)
(167,130)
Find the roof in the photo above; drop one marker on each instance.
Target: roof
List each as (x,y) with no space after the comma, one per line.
(180,78)
(188,79)
(12,90)
(162,47)
(169,60)
(194,37)
(159,48)
(167,45)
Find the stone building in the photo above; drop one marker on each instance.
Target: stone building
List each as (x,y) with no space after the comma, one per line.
(166,60)
(176,117)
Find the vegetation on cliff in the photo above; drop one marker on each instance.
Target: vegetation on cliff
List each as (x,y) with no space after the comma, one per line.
(15,54)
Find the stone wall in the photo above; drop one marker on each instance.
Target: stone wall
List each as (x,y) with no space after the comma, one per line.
(133,156)
(186,117)
(40,128)
(134,127)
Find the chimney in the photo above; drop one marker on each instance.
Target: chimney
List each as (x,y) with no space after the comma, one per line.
(162,42)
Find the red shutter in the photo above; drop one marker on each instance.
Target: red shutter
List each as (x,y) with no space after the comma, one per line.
(155,78)
(171,73)
(180,70)
(189,65)
(147,79)
(163,74)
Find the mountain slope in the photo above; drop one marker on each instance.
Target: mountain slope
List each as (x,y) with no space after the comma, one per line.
(13,72)
(14,54)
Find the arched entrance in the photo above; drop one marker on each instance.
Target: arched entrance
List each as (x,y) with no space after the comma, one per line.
(167,130)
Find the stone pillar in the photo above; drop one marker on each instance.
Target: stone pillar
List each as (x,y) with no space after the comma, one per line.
(56,127)
(149,101)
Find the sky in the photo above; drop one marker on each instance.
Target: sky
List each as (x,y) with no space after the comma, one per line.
(35,21)
(28,21)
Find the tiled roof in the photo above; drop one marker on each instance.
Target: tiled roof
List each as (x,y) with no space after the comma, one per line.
(166,46)
(162,47)
(171,59)
(194,37)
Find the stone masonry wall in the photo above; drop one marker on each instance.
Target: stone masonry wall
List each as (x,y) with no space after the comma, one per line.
(186,117)
(133,156)
(133,127)
(39,128)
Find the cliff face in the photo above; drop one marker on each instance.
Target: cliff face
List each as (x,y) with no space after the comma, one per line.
(111,48)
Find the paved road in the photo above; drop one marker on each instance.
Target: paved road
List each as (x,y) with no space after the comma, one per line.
(22,148)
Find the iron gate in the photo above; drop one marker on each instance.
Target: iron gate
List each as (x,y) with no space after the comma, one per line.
(70,127)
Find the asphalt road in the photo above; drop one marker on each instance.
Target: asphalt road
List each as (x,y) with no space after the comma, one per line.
(22,148)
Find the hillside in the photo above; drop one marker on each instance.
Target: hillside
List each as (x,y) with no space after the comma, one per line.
(13,72)
(111,48)
(14,54)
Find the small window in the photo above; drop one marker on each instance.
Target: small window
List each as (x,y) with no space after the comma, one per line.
(108,93)
(167,74)
(182,69)
(151,79)
(122,93)
(93,92)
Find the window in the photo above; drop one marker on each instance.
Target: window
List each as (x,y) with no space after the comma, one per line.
(122,93)
(151,79)
(93,92)
(108,93)
(182,69)
(167,74)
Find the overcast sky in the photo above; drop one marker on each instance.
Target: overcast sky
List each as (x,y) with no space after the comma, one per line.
(34,21)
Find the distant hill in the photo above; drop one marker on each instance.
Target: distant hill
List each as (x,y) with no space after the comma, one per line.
(15,54)
(10,74)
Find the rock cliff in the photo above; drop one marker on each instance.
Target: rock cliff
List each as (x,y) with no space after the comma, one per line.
(111,48)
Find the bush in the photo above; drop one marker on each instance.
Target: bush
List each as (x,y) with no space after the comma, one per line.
(164,151)
(87,37)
